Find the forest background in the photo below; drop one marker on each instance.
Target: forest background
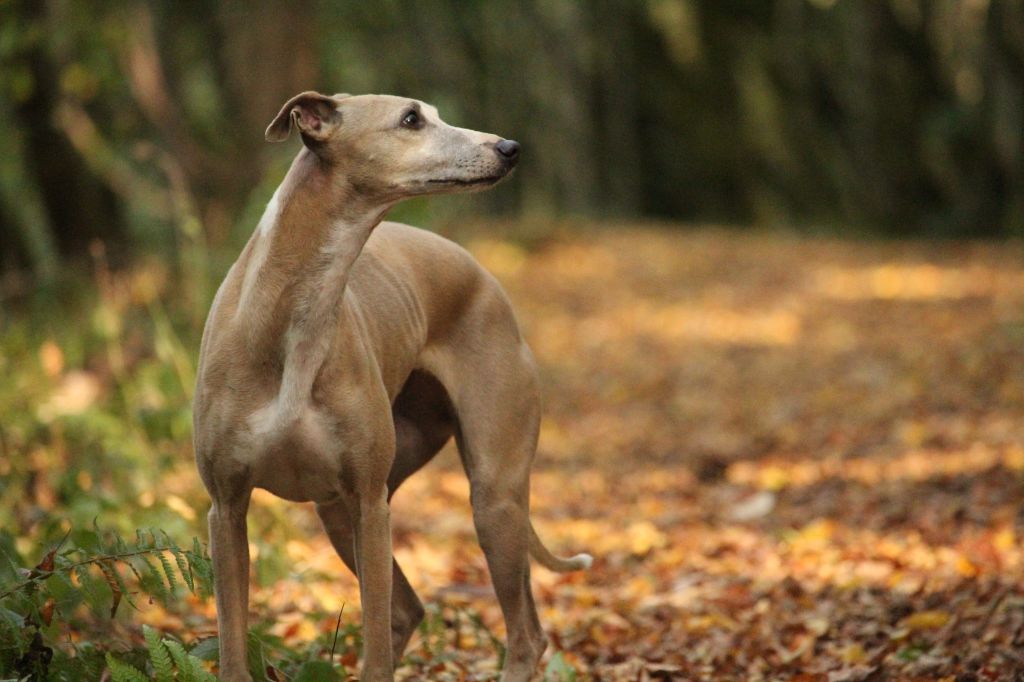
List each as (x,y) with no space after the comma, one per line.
(767,252)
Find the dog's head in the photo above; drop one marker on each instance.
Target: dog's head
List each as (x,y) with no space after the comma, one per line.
(394,147)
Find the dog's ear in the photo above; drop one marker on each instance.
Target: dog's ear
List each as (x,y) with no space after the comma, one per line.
(315,116)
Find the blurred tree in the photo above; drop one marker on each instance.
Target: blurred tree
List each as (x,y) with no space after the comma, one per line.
(127,118)
(79,207)
(208,78)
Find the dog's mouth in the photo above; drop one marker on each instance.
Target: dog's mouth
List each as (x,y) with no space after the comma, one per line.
(460,182)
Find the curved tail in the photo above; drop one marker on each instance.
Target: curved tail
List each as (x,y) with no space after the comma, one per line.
(551,562)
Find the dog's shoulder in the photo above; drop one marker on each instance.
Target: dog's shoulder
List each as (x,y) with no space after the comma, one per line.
(426,257)
(391,239)
(393,232)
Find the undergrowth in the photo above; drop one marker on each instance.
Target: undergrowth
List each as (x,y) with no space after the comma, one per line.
(63,618)
(81,584)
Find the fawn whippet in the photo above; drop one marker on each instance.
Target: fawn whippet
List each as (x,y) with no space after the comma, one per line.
(342,352)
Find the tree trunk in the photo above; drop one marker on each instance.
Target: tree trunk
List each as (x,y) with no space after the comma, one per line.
(80,208)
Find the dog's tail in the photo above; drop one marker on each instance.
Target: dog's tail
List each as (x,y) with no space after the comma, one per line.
(551,562)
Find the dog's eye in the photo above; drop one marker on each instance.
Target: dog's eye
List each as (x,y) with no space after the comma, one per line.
(411,119)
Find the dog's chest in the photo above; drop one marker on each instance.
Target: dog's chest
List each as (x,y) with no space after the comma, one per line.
(294,452)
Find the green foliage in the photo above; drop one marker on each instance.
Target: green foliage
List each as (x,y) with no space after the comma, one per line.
(81,582)
(189,668)
(270,652)
(122,672)
(316,671)
(163,669)
(184,667)
(559,670)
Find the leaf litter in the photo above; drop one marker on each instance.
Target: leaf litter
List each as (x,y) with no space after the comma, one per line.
(793,458)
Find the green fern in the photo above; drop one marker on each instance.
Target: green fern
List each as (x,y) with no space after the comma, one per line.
(122,672)
(190,668)
(169,572)
(181,560)
(158,656)
(102,570)
(150,577)
(170,662)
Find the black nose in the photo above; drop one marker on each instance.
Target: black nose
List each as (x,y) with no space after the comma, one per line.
(508,149)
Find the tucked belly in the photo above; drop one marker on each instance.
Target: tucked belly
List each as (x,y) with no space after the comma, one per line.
(295,455)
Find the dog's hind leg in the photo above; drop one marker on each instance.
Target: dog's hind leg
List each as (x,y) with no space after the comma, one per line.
(406,609)
(499,421)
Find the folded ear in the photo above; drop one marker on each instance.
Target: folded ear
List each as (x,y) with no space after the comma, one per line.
(315,115)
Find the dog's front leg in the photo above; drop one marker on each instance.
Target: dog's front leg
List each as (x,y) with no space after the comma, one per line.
(372,522)
(229,548)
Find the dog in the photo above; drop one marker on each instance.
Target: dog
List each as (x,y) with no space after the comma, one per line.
(342,352)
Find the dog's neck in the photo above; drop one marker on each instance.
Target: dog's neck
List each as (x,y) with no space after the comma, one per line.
(298,263)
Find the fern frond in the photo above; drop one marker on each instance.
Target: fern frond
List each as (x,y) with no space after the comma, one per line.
(190,668)
(122,672)
(158,655)
(117,586)
(201,566)
(165,563)
(180,657)
(152,578)
(183,567)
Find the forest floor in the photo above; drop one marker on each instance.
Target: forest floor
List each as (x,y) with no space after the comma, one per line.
(793,458)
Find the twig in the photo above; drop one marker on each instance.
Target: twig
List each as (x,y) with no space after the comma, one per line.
(337,627)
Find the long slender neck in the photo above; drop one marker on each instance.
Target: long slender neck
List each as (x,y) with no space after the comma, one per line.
(299,263)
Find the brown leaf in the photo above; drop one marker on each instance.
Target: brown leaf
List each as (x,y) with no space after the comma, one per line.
(115,588)
(47,611)
(49,561)
(46,565)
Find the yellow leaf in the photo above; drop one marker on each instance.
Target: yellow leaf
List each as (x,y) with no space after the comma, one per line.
(774,478)
(852,654)
(817,626)
(639,586)
(1004,540)
(965,568)
(645,536)
(51,357)
(820,530)
(913,434)
(926,620)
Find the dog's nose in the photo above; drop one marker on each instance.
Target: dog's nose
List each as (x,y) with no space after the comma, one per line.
(508,149)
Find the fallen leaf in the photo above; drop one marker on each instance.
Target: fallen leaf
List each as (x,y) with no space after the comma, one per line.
(926,620)
(752,507)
